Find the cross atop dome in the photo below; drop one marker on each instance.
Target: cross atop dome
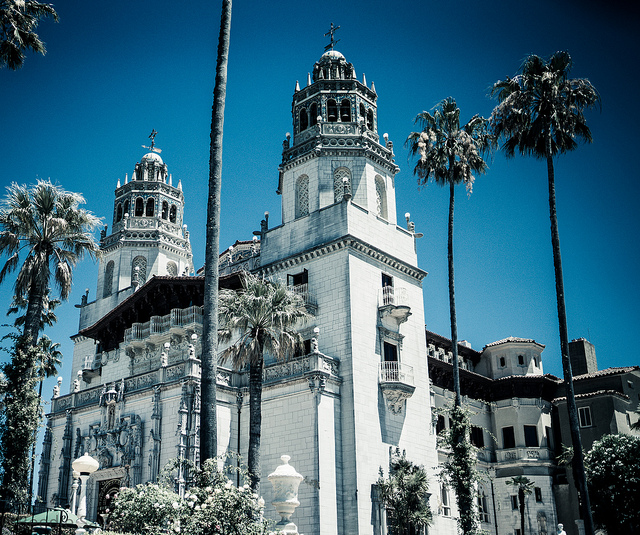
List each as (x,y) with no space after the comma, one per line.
(152,137)
(333,42)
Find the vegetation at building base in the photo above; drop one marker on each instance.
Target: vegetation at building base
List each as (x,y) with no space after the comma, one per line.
(540,113)
(213,505)
(18,21)
(452,154)
(613,474)
(524,487)
(263,316)
(405,495)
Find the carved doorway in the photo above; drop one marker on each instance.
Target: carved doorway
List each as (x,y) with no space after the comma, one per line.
(107,489)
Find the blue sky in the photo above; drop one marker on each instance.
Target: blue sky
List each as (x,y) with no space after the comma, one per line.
(115,70)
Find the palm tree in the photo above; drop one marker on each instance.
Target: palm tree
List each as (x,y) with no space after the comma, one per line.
(451,154)
(524,486)
(208,422)
(540,113)
(48,315)
(45,222)
(18,21)
(263,316)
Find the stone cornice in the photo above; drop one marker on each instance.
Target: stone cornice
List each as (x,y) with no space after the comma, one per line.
(346,242)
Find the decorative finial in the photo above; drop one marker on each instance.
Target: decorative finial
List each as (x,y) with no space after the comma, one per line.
(152,137)
(333,42)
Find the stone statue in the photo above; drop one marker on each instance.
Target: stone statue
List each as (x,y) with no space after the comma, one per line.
(561,530)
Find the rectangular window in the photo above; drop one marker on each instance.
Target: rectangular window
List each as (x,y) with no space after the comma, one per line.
(444,498)
(538,493)
(477,436)
(584,414)
(298,278)
(547,431)
(508,438)
(517,531)
(440,425)
(514,502)
(387,280)
(483,510)
(390,352)
(531,436)
(388,297)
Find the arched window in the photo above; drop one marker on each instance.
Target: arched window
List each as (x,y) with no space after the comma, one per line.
(345,111)
(108,279)
(332,111)
(444,500)
(138,271)
(173,212)
(119,212)
(165,209)
(304,119)
(381,198)
(363,113)
(126,207)
(302,196)
(483,508)
(172,269)
(313,112)
(139,207)
(150,206)
(370,119)
(340,185)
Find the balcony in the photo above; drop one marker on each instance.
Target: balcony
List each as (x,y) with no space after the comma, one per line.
(524,455)
(309,299)
(397,384)
(179,321)
(394,302)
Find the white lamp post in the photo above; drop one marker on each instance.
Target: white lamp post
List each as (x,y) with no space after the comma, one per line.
(74,491)
(85,466)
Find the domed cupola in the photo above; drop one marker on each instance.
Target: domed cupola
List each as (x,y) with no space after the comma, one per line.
(151,168)
(333,66)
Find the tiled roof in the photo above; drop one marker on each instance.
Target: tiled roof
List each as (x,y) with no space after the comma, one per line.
(511,339)
(594,394)
(607,371)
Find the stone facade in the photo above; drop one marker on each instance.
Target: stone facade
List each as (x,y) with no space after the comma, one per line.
(370,384)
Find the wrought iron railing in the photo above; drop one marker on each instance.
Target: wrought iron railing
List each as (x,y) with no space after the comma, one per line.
(391,295)
(395,372)
(178,318)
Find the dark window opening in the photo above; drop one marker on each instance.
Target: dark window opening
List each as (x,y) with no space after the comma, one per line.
(345,111)
(165,209)
(173,212)
(150,207)
(440,424)
(313,112)
(304,119)
(139,207)
(538,493)
(521,360)
(514,505)
(584,414)
(503,363)
(332,111)
(363,113)
(477,436)
(119,213)
(126,207)
(387,280)
(370,119)
(508,437)
(390,352)
(531,436)
(547,432)
(298,278)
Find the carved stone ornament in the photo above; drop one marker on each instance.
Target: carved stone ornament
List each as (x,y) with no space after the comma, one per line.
(396,398)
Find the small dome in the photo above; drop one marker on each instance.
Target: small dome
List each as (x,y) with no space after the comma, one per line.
(331,55)
(152,156)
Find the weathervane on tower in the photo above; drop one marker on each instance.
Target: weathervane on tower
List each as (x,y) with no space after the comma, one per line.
(333,42)
(152,137)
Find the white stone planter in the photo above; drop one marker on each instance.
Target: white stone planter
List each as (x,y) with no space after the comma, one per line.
(285,481)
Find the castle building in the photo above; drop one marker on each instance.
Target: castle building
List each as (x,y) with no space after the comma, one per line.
(369,385)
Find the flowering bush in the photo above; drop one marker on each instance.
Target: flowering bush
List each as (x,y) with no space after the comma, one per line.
(213,505)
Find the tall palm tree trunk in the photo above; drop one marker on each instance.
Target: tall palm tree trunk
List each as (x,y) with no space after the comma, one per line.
(209,421)
(33,450)
(452,300)
(521,500)
(255,423)
(33,315)
(579,474)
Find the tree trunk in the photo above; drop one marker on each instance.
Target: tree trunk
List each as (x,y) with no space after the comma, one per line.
(577,464)
(452,300)
(209,421)
(255,423)
(521,499)
(33,315)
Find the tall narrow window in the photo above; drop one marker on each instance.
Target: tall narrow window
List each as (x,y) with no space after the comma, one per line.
(381,198)
(126,207)
(390,352)
(520,360)
(363,114)
(345,111)
(483,509)
(173,213)
(370,119)
(150,207)
(172,269)
(165,209)
(584,413)
(139,270)
(139,207)
(477,436)
(313,112)
(444,499)
(508,438)
(531,436)
(341,183)
(108,279)
(332,111)
(304,119)
(302,196)
(119,212)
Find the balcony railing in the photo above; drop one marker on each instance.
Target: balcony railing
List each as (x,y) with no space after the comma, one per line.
(303,291)
(395,372)
(390,295)
(179,318)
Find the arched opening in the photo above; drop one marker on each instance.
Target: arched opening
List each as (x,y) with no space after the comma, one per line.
(172,268)
(165,209)
(107,288)
(173,212)
(381,198)
(341,183)
(363,114)
(332,111)
(139,207)
(126,207)
(138,271)
(370,119)
(302,196)
(119,212)
(313,112)
(150,207)
(304,119)
(345,111)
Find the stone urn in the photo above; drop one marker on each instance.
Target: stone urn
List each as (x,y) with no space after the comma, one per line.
(285,481)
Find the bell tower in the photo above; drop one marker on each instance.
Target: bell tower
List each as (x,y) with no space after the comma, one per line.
(147,235)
